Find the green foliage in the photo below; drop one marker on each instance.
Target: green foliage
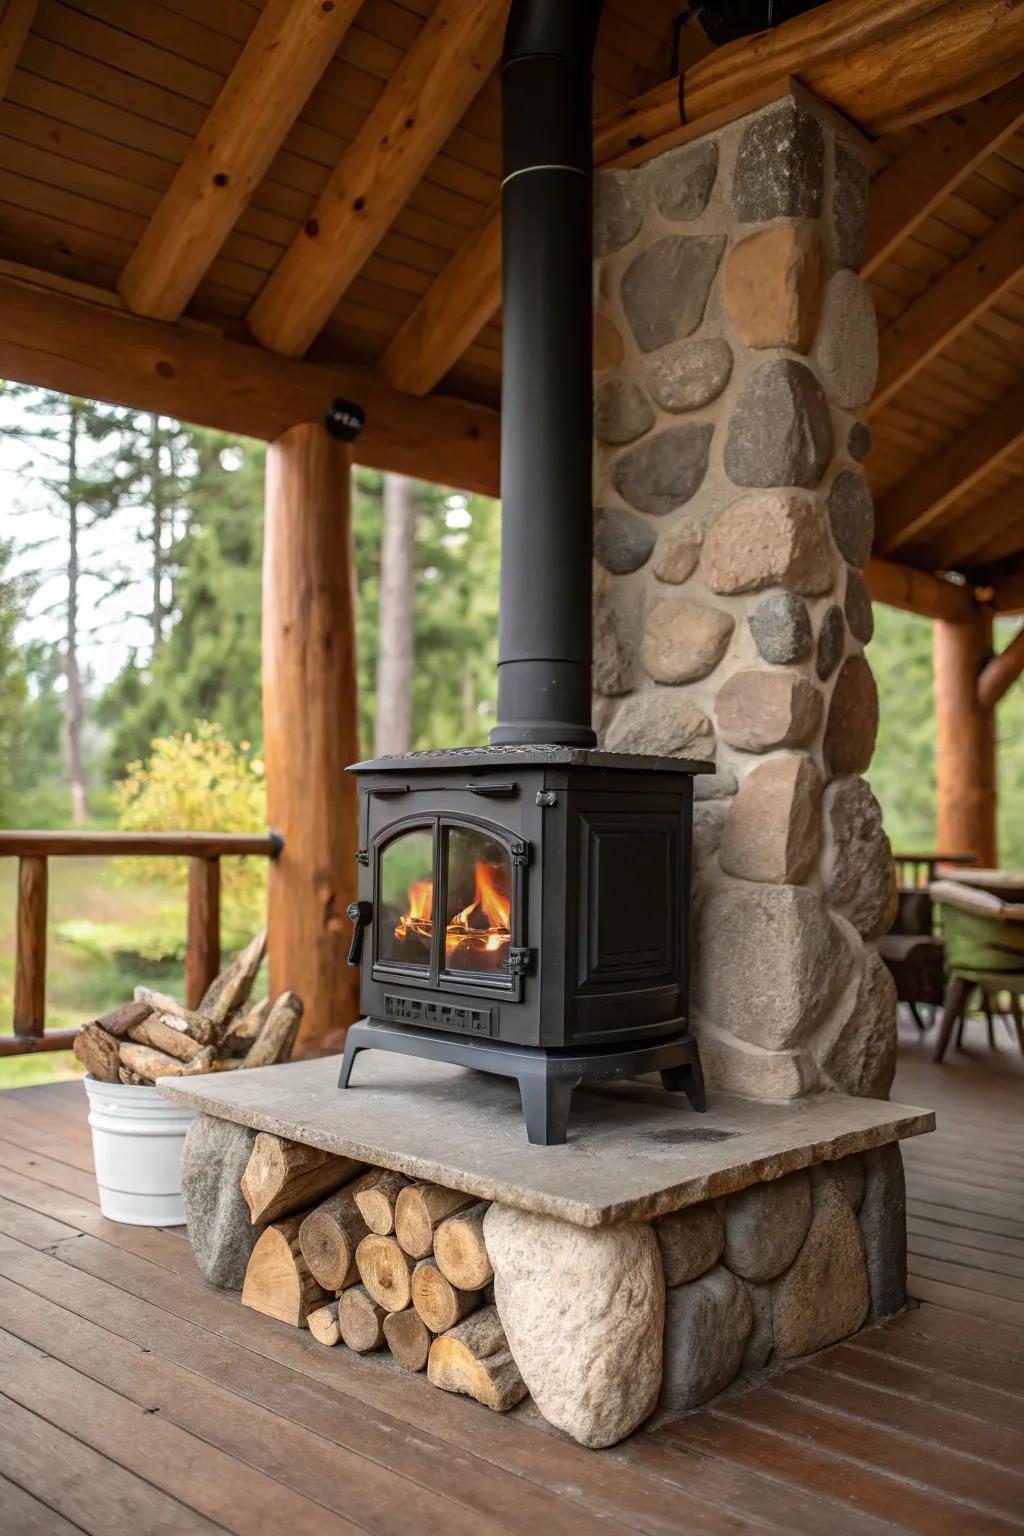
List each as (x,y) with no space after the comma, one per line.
(199,781)
(14,696)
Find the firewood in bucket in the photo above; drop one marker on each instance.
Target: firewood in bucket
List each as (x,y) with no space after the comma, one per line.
(361,1320)
(277,1037)
(131,1079)
(376,1200)
(231,988)
(243,1029)
(164,1037)
(408,1338)
(460,1250)
(284,1176)
(194,1024)
(386,1271)
(277,1281)
(98,1053)
(437,1301)
(151,1064)
(474,1358)
(419,1209)
(120,1020)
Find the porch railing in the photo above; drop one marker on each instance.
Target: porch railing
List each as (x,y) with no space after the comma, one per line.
(33,850)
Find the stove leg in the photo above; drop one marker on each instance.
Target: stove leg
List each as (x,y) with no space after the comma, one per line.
(546,1100)
(353,1044)
(688,1079)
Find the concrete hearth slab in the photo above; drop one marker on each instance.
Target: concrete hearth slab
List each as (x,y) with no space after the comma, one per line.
(633,1152)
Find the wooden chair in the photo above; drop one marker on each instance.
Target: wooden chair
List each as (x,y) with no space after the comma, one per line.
(984,952)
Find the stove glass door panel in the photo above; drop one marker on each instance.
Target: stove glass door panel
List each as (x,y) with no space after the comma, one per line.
(406,899)
(478,890)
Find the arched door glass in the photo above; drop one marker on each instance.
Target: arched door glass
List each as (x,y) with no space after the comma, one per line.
(407,899)
(479,903)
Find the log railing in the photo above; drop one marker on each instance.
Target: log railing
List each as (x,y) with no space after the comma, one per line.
(33,850)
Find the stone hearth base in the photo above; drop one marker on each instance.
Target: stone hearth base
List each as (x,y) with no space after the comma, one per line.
(650,1263)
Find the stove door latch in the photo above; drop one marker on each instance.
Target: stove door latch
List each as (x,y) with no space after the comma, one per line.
(360,912)
(519,961)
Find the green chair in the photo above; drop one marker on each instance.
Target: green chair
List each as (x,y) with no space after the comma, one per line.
(984,938)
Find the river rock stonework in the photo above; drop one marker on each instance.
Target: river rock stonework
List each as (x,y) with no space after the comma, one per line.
(731,532)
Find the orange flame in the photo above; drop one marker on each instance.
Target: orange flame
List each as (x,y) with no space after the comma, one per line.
(482,928)
(421,905)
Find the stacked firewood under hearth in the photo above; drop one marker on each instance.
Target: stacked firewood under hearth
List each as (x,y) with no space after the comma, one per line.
(372,1260)
(156,1036)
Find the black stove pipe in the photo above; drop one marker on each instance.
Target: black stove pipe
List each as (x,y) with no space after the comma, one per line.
(546,386)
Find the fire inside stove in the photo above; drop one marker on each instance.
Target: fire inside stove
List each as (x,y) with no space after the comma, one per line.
(478,903)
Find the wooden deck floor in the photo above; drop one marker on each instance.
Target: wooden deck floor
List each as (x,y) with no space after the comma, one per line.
(136,1402)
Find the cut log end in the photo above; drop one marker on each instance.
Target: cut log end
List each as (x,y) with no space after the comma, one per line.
(329,1237)
(361,1320)
(460,1250)
(277,1280)
(474,1359)
(386,1272)
(408,1338)
(419,1209)
(376,1201)
(439,1303)
(323,1323)
(283,1176)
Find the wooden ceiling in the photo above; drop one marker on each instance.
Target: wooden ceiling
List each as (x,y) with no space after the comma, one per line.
(263,181)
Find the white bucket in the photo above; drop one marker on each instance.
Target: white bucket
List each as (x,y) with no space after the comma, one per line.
(137,1139)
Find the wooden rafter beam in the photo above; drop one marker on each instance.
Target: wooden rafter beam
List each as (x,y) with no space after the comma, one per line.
(1008,594)
(849,52)
(949,306)
(905,513)
(901,586)
(913,186)
(450,59)
(291,45)
(16,18)
(978,540)
(63,341)
(1001,672)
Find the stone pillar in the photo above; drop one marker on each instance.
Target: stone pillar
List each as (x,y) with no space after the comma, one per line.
(736,344)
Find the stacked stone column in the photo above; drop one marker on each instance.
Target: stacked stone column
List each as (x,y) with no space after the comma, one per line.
(735,343)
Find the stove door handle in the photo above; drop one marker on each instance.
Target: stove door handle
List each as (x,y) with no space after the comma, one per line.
(360,912)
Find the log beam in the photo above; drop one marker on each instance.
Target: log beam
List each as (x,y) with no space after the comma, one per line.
(965,745)
(913,186)
(1008,594)
(901,586)
(450,59)
(66,342)
(310,723)
(16,17)
(288,50)
(1001,672)
(945,309)
(905,513)
(30,961)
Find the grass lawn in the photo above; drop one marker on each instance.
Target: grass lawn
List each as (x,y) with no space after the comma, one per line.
(99,918)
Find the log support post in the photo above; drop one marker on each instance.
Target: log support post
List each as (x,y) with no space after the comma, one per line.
(202,951)
(30,965)
(310,723)
(965,751)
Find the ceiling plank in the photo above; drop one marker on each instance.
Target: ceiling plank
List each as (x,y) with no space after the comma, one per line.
(451,58)
(999,674)
(1008,594)
(291,45)
(16,17)
(901,586)
(970,541)
(912,506)
(62,341)
(913,186)
(949,306)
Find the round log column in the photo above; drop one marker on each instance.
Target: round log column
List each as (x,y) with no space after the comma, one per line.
(965,747)
(310,724)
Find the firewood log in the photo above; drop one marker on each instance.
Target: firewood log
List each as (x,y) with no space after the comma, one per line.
(277,1281)
(277,1037)
(386,1271)
(460,1250)
(284,1176)
(151,1064)
(418,1210)
(168,1008)
(408,1338)
(98,1053)
(130,1079)
(437,1301)
(164,1037)
(231,988)
(351,1278)
(120,1020)
(243,1029)
(361,1320)
(330,1236)
(474,1358)
(377,1201)
(323,1323)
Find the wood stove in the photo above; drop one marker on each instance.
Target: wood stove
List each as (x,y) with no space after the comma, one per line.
(527,905)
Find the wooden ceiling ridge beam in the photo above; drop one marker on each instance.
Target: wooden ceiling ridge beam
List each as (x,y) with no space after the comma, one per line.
(1001,672)
(906,512)
(912,187)
(65,341)
(902,586)
(841,50)
(16,17)
(291,45)
(949,306)
(450,60)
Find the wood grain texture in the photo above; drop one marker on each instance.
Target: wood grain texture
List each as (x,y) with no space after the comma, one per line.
(901,586)
(287,51)
(16,17)
(965,746)
(30,955)
(282,1177)
(205,845)
(277,1278)
(202,948)
(310,723)
(1001,672)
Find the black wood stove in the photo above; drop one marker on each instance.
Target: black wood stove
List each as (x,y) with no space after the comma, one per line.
(524,908)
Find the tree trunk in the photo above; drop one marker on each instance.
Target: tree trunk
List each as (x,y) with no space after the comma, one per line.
(74,703)
(397,600)
(156,495)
